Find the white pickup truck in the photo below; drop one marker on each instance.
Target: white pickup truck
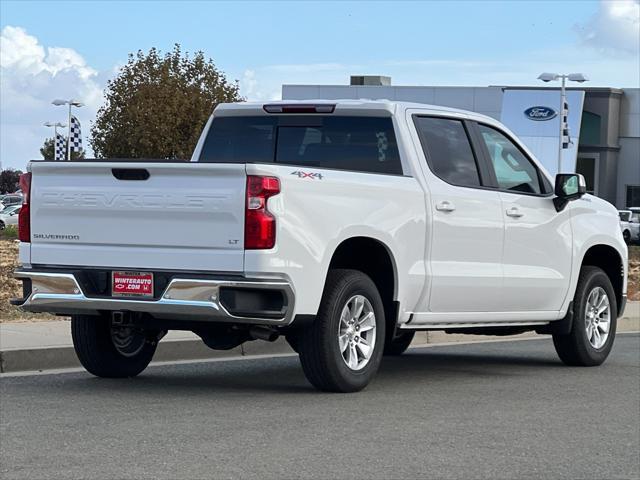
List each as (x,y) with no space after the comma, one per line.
(345,226)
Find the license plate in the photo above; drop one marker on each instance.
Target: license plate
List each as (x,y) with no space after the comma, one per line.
(132,284)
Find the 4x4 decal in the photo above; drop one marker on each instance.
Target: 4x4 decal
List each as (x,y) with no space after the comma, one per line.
(310,175)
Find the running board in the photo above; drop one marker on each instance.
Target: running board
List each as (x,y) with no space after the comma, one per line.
(458,325)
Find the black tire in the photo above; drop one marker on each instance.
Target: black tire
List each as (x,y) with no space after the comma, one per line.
(398,344)
(626,235)
(293,339)
(97,352)
(2,225)
(575,349)
(320,354)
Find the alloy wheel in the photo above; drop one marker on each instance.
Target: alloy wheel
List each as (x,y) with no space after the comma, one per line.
(598,317)
(357,332)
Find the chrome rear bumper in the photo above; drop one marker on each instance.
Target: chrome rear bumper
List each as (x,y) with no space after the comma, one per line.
(183,298)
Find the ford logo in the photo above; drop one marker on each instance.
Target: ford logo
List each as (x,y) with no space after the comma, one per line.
(540,113)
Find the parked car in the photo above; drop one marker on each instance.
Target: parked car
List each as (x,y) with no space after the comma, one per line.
(9,216)
(630,225)
(345,226)
(8,200)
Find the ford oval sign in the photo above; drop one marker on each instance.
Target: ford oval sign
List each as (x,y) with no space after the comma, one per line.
(540,114)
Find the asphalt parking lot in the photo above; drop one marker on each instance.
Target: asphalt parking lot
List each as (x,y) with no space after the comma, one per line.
(490,410)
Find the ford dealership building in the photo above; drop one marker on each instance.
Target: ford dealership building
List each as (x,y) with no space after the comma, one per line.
(604,124)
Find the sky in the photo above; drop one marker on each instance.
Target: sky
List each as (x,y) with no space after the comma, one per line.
(70,49)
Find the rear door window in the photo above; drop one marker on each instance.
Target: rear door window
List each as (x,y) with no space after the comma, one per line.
(448,150)
(362,144)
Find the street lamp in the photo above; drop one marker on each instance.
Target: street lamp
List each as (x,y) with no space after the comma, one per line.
(572,77)
(55,133)
(71,103)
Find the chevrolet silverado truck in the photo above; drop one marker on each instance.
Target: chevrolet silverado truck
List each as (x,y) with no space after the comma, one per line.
(343,226)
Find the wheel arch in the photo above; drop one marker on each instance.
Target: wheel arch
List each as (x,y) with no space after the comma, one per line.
(357,253)
(611,262)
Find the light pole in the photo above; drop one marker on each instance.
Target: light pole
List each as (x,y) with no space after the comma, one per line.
(55,133)
(71,103)
(572,77)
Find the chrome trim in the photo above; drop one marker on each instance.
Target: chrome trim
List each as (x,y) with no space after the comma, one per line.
(183,298)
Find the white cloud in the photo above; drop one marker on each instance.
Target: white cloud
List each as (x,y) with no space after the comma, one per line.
(253,90)
(31,76)
(614,28)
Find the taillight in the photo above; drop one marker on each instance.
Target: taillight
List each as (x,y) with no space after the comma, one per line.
(24,217)
(259,224)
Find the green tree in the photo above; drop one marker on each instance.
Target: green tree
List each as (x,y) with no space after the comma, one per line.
(158,104)
(9,180)
(47,151)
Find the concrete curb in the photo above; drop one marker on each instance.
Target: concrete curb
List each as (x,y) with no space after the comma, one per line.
(56,358)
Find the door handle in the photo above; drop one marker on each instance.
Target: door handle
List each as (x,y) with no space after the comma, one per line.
(445,206)
(514,212)
(130,173)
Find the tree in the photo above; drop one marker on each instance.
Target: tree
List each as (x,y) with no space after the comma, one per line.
(47,151)
(9,181)
(158,104)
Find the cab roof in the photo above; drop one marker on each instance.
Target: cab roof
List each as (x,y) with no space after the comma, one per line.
(343,107)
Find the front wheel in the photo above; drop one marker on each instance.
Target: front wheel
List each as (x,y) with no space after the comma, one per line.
(594,322)
(398,344)
(342,349)
(108,350)
(626,235)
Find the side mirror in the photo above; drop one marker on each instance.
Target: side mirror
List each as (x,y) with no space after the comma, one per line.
(569,186)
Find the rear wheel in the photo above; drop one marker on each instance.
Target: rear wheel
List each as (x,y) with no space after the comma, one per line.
(108,350)
(594,322)
(2,225)
(342,349)
(293,339)
(626,235)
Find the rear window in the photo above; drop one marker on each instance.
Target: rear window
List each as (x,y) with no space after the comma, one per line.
(363,144)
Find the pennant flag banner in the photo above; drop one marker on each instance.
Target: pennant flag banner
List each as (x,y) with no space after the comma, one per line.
(75,136)
(59,148)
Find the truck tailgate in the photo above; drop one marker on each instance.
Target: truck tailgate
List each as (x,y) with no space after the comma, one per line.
(177,216)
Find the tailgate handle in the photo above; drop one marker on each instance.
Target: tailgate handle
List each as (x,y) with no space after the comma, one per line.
(130,173)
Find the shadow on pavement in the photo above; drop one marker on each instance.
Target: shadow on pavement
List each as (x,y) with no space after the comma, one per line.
(284,375)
